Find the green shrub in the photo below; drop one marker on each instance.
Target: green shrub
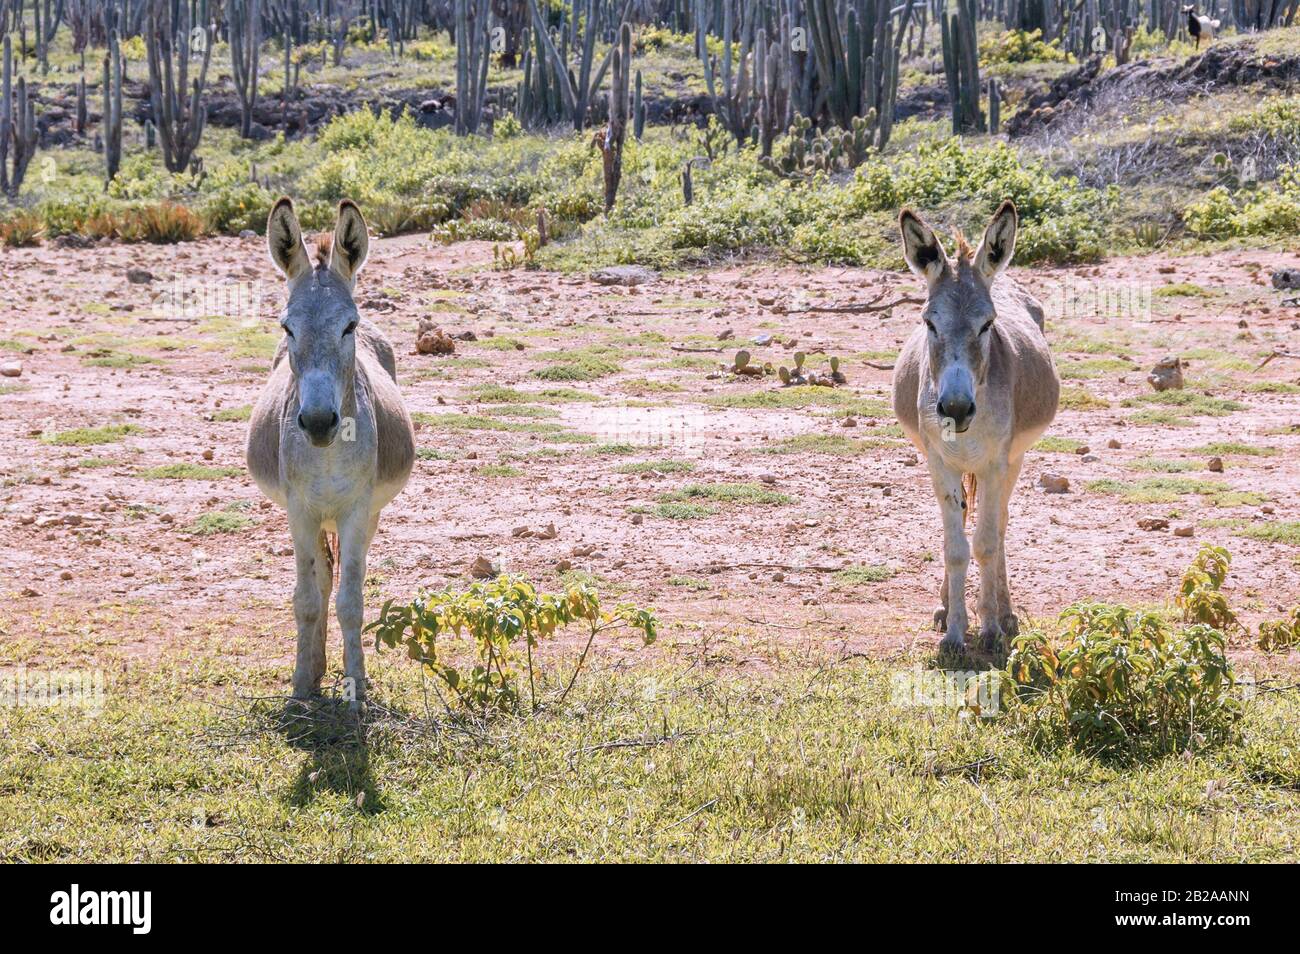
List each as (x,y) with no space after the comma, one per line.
(1020,46)
(1122,683)
(498,615)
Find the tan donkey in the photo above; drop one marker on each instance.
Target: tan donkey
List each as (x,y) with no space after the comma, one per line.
(330,439)
(974,388)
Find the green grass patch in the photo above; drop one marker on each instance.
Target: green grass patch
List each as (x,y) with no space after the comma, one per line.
(660,466)
(479,422)
(219,521)
(499,470)
(188,472)
(1058,445)
(241,413)
(1188,402)
(1268,531)
(738,493)
(1153,490)
(1093,368)
(863,575)
(1234,449)
(692,583)
(1183,290)
(84,436)
(682,511)
(1081,399)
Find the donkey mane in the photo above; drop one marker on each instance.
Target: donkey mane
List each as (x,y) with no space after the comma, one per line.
(324,242)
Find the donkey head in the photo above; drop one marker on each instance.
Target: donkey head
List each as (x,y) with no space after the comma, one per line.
(959,309)
(320,318)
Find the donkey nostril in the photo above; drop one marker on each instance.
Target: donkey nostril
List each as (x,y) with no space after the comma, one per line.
(301,423)
(334,419)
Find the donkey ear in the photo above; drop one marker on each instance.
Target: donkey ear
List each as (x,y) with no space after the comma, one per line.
(351,243)
(921,247)
(995,251)
(284,240)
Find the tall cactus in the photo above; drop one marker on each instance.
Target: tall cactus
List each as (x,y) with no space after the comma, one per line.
(17,127)
(112,123)
(472,56)
(244,21)
(611,142)
(961,66)
(180,121)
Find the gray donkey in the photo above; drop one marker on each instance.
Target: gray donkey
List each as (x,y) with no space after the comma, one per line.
(330,439)
(974,388)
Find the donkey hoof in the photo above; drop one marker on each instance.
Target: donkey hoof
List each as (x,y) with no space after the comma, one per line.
(990,637)
(952,643)
(941,619)
(1010,624)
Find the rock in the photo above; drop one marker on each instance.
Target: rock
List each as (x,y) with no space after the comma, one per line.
(1286,278)
(1081,451)
(483,569)
(28,591)
(778,577)
(767,478)
(139,276)
(65,575)
(1167,375)
(1054,483)
(627,275)
(522,532)
(1090,458)
(1184,531)
(637,519)
(207,454)
(1215,465)
(547,532)
(247,234)
(849,422)
(1153,523)
(563,566)
(430,339)
(11,369)
(1113,444)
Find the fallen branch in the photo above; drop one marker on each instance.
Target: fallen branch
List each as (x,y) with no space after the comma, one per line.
(857,308)
(879,366)
(687,348)
(1277,354)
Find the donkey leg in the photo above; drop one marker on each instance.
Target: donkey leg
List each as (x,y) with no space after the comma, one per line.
(956,551)
(988,552)
(324,567)
(309,609)
(355,532)
(1007,618)
(941,614)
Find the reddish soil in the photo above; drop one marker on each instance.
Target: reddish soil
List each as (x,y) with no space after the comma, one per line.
(101,556)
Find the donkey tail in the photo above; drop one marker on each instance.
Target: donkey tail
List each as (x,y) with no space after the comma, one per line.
(968,487)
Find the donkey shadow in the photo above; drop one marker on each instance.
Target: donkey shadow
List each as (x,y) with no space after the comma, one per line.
(339,741)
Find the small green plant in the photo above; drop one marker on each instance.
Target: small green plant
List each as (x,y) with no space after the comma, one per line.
(1200,594)
(497,615)
(1280,634)
(1122,683)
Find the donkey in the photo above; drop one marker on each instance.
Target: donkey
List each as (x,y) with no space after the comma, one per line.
(329,439)
(974,387)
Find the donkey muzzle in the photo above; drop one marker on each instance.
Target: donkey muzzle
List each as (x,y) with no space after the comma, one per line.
(320,425)
(957,408)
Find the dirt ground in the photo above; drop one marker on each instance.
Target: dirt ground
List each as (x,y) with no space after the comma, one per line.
(106,557)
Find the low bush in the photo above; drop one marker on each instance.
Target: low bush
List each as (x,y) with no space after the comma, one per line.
(497,616)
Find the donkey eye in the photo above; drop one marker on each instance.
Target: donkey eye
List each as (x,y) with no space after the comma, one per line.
(930,324)
(987,326)
(352,326)
(287,331)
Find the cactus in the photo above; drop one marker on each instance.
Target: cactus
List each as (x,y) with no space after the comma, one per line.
(550,69)
(961,67)
(472,55)
(180,121)
(688,180)
(81,105)
(111,126)
(611,143)
(995,107)
(638,110)
(244,24)
(17,127)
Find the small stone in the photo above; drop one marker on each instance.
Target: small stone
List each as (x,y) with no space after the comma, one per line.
(637,519)
(483,569)
(849,422)
(139,276)
(563,566)
(28,591)
(1054,483)
(207,454)
(1082,450)
(767,478)
(778,577)
(1167,375)
(1090,458)
(1153,523)
(65,575)
(1185,530)
(1113,444)
(1215,465)
(546,533)
(626,275)
(11,369)
(521,532)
